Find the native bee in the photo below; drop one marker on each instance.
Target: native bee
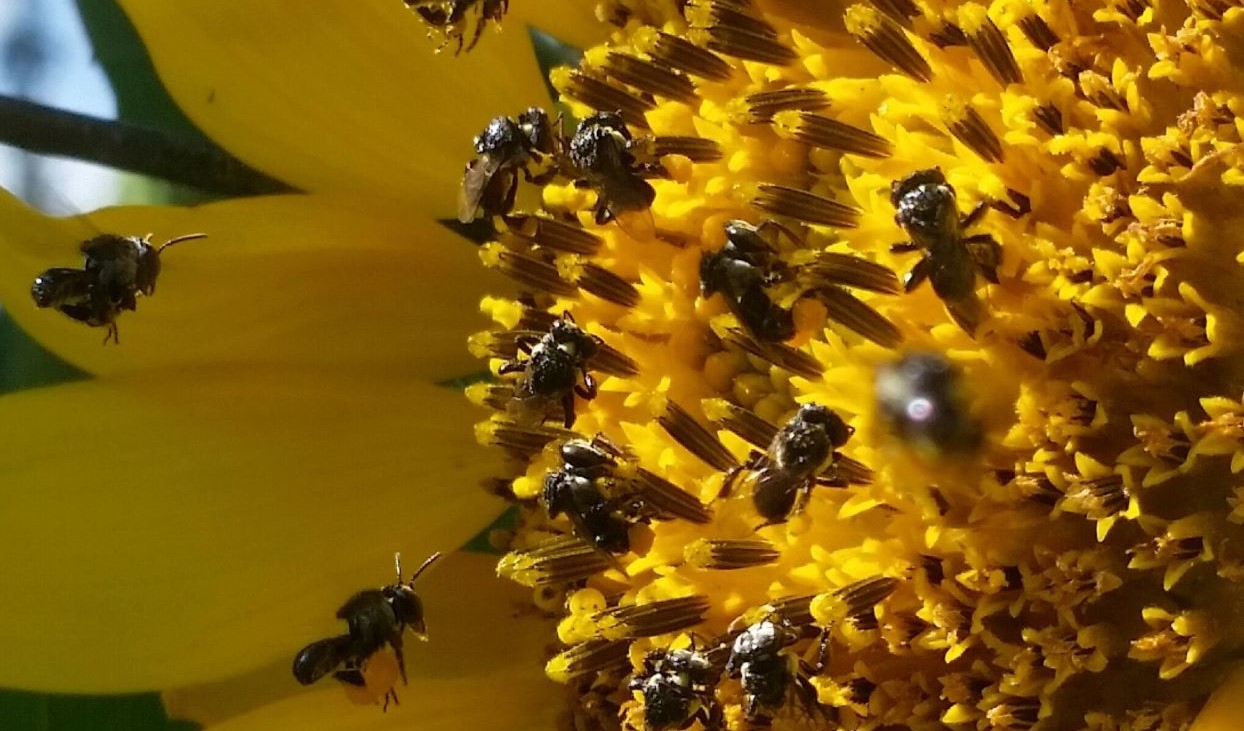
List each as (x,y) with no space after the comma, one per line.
(677,688)
(449,17)
(117,269)
(606,158)
(746,266)
(767,672)
(375,618)
(921,397)
(552,369)
(602,492)
(925,206)
(802,452)
(505,147)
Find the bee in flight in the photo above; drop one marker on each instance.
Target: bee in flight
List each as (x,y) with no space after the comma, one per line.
(802,453)
(449,17)
(375,619)
(505,147)
(552,370)
(117,269)
(925,206)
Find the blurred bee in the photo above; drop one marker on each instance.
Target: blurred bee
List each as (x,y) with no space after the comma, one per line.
(603,154)
(552,369)
(677,688)
(767,672)
(117,269)
(801,453)
(505,147)
(450,16)
(602,500)
(375,618)
(746,266)
(926,209)
(921,397)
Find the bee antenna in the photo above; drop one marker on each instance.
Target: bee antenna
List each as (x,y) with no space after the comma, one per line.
(422,567)
(178,240)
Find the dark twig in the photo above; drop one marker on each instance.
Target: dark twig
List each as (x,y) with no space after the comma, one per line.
(199,164)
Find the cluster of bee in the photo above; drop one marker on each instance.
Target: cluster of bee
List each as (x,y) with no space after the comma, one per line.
(116,271)
(375,619)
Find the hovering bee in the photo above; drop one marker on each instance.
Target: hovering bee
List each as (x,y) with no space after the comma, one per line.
(375,618)
(746,266)
(759,659)
(921,398)
(801,452)
(602,500)
(116,271)
(603,154)
(925,208)
(505,147)
(552,370)
(677,688)
(449,17)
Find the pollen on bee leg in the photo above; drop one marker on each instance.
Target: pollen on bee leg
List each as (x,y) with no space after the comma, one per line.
(380,674)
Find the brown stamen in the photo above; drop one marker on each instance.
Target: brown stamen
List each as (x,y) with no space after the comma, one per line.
(729,555)
(830,134)
(649,77)
(682,54)
(601,96)
(886,38)
(695,438)
(804,206)
(970,128)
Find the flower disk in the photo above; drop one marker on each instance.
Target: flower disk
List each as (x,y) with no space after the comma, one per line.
(751,439)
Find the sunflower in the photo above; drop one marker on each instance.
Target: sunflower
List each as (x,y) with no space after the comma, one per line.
(1028,517)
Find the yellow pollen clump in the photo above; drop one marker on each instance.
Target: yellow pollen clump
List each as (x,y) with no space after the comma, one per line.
(885,360)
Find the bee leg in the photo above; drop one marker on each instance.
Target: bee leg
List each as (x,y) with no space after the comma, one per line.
(781,227)
(822,655)
(987,254)
(754,461)
(396,643)
(974,215)
(510,366)
(801,497)
(112,334)
(904,247)
(589,388)
(568,409)
(918,274)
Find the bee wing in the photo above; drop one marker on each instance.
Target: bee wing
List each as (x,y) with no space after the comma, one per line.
(851,470)
(967,312)
(60,286)
(320,658)
(848,311)
(774,492)
(476,180)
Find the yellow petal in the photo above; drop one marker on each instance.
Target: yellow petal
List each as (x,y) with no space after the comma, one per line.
(174,527)
(347,96)
(1225,707)
(466,605)
(308,280)
(570,21)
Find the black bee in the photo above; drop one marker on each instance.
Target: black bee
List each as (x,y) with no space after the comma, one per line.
(374,618)
(801,452)
(575,490)
(767,673)
(921,397)
(741,271)
(116,271)
(449,17)
(505,147)
(677,687)
(603,155)
(552,370)
(926,209)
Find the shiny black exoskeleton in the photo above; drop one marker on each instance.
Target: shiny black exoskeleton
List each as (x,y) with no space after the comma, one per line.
(921,398)
(116,270)
(926,209)
(602,153)
(374,618)
(552,370)
(765,671)
(741,271)
(574,489)
(802,451)
(505,147)
(677,686)
(449,17)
